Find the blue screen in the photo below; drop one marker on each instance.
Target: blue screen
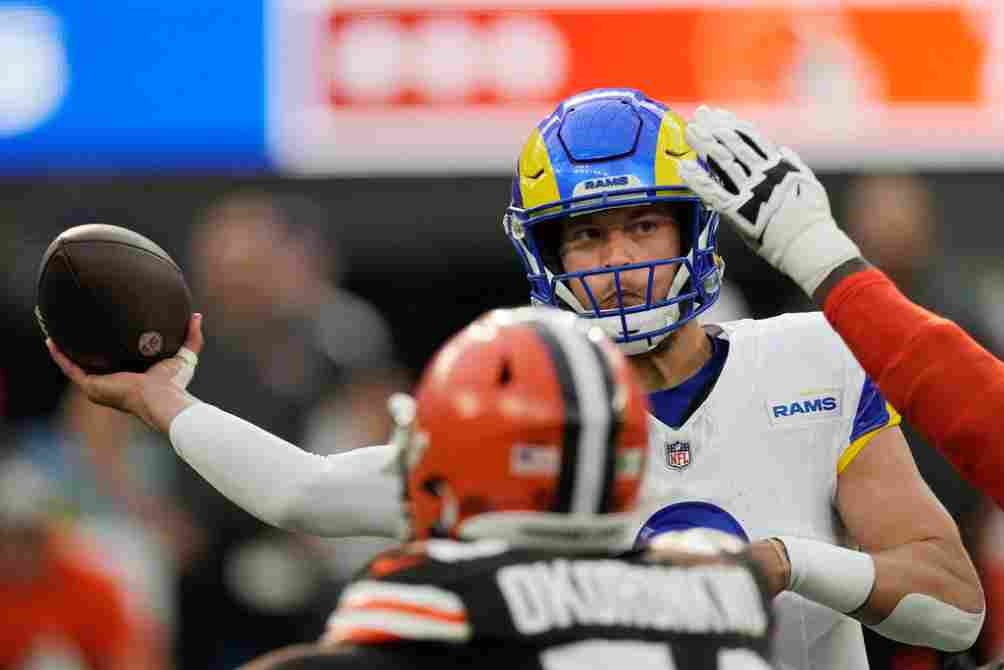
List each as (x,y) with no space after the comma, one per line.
(140,86)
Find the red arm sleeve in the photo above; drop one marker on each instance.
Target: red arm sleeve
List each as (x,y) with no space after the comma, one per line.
(944,383)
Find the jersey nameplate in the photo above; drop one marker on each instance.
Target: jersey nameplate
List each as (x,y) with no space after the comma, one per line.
(557,594)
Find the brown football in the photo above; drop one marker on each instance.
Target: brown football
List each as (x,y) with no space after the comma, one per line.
(111,299)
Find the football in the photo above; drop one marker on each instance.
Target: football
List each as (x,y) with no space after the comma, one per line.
(111,299)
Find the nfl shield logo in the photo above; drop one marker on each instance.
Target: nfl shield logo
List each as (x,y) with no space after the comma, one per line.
(678,455)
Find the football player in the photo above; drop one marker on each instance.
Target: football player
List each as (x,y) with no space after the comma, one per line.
(521,459)
(773,422)
(772,426)
(946,384)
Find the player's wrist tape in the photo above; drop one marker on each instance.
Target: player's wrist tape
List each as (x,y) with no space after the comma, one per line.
(186,370)
(815,253)
(920,619)
(842,579)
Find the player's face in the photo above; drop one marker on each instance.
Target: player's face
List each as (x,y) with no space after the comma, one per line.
(620,237)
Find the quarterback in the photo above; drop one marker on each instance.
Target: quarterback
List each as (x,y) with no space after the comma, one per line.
(769,430)
(946,385)
(772,424)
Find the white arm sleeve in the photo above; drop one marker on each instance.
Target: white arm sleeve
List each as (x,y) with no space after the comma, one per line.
(352,493)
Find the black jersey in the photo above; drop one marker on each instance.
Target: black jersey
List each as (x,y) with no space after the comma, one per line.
(461,602)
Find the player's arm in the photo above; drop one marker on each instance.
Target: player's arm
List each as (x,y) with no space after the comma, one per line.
(351,493)
(912,580)
(368,657)
(925,589)
(292,656)
(319,657)
(943,382)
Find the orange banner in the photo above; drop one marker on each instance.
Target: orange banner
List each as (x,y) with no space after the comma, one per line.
(925,54)
(362,86)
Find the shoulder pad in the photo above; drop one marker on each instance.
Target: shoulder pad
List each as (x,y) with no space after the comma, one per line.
(423,557)
(396,561)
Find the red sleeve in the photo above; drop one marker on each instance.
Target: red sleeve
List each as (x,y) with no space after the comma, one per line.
(944,383)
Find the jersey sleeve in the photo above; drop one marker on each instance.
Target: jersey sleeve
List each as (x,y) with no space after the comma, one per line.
(873,415)
(406,593)
(946,385)
(356,492)
(374,612)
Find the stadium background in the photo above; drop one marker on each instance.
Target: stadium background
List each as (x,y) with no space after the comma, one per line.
(378,135)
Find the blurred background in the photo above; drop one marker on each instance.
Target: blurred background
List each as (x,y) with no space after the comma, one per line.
(331,176)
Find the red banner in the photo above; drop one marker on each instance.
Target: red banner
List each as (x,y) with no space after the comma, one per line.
(923,54)
(416,85)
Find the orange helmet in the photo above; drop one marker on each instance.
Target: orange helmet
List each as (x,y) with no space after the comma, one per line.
(527,426)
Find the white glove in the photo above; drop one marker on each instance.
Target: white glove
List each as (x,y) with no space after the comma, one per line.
(777,205)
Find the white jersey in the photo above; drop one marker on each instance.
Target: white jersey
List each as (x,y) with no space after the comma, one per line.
(765,446)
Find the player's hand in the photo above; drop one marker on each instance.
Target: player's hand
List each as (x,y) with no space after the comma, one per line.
(155,396)
(694,546)
(768,195)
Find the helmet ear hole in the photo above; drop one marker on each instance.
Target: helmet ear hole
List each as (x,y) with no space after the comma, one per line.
(505,373)
(432,486)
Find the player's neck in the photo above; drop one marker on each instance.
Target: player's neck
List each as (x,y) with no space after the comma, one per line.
(676,360)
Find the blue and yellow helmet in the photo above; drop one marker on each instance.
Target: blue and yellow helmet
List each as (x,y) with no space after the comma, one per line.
(606,148)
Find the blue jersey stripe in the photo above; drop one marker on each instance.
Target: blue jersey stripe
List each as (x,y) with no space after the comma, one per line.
(872,412)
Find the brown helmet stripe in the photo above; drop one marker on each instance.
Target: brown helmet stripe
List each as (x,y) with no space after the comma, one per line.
(587,458)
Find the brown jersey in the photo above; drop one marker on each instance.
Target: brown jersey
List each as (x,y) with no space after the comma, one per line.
(519,608)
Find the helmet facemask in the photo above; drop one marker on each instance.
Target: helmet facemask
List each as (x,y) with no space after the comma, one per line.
(408,445)
(636,328)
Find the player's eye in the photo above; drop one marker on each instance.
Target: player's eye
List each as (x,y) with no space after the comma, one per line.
(643,227)
(581,235)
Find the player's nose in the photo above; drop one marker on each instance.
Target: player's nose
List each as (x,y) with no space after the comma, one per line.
(619,249)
